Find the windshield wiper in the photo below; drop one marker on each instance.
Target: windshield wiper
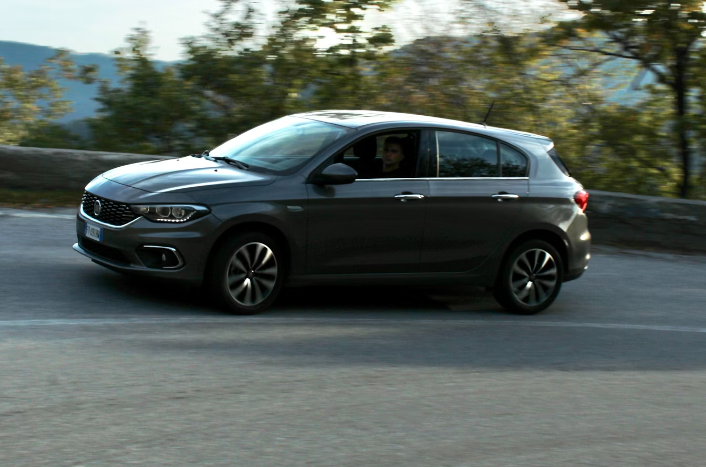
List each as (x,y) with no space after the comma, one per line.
(239,164)
(205,155)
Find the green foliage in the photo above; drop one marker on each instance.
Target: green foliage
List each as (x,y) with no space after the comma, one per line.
(662,37)
(243,73)
(344,70)
(152,112)
(245,84)
(625,149)
(242,86)
(27,98)
(44,134)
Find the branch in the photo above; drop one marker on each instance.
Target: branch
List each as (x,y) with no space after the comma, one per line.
(577,71)
(594,50)
(646,63)
(630,56)
(593,66)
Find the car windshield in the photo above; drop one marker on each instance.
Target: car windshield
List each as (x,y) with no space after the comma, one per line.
(281,145)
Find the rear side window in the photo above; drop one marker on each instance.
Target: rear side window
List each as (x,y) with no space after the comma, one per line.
(559,163)
(463,155)
(512,162)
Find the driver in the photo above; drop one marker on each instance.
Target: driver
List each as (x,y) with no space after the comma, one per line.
(392,159)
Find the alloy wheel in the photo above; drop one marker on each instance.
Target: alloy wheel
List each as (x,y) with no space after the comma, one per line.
(534,277)
(252,273)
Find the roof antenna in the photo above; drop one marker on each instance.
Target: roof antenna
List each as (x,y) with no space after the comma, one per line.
(488,115)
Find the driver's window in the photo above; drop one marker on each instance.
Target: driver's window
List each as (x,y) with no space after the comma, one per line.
(388,155)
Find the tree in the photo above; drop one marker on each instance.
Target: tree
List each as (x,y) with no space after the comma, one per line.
(29,97)
(345,78)
(151,112)
(661,36)
(244,80)
(247,80)
(43,134)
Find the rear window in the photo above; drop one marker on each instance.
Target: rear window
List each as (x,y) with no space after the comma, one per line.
(559,163)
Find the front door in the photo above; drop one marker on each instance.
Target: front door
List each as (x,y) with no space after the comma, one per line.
(369,226)
(374,225)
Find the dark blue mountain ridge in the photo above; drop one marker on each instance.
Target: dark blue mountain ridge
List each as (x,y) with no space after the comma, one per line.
(31,57)
(620,78)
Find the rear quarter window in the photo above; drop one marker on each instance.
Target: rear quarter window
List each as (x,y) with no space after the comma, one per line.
(512,162)
(559,163)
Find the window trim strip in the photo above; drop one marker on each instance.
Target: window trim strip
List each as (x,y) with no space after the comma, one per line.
(440,178)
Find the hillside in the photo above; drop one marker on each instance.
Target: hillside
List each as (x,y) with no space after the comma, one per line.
(30,57)
(82,95)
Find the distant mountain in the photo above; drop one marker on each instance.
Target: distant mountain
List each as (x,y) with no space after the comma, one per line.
(30,57)
(620,77)
(82,95)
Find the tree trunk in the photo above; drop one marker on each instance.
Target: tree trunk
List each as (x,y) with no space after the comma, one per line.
(680,88)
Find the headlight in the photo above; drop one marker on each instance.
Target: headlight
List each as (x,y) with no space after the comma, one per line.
(166,213)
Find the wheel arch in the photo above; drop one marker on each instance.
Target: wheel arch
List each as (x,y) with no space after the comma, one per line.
(252,226)
(549,236)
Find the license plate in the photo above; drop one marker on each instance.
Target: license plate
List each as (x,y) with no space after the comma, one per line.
(93,232)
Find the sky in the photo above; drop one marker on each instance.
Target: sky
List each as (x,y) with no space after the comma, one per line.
(87,26)
(102,25)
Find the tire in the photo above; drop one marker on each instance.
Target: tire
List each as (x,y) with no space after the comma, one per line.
(247,273)
(530,278)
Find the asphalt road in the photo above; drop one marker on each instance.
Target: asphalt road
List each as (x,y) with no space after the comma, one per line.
(98,370)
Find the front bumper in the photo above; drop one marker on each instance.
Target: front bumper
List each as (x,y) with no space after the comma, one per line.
(117,250)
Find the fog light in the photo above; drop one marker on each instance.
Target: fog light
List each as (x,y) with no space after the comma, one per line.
(159,257)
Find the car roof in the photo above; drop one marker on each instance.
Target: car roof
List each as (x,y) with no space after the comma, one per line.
(360,118)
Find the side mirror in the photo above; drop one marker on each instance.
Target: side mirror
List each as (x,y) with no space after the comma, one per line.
(336,174)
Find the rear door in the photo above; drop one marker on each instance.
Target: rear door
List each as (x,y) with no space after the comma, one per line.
(477,189)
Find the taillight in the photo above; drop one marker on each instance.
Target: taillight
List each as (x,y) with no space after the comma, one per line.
(581,198)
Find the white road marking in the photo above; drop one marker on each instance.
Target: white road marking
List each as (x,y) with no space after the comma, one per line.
(36,214)
(361,321)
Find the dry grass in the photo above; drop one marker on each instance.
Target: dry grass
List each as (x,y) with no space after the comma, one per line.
(27,199)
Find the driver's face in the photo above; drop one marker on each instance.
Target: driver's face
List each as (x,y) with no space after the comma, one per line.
(392,154)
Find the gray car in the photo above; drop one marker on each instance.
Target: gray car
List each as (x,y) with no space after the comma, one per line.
(347,197)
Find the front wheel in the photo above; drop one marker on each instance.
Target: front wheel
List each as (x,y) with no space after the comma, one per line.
(247,273)
(530,279)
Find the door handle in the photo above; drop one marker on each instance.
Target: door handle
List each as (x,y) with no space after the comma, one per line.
(404,197)
(503,196)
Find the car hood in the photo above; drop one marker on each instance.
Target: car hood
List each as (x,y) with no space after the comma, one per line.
(184,174)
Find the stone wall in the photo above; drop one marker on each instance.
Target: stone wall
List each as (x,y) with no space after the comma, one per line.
(58,169)
(614,218)
(651,222)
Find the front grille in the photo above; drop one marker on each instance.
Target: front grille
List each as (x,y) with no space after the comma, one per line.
(105,251)
(112,212)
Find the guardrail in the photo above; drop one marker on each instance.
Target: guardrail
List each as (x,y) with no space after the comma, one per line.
(614,218)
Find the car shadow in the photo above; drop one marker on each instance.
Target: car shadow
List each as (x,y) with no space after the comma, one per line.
(116,291)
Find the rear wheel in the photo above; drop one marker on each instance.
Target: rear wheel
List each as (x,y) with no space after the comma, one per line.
(530,279)
(247,273)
